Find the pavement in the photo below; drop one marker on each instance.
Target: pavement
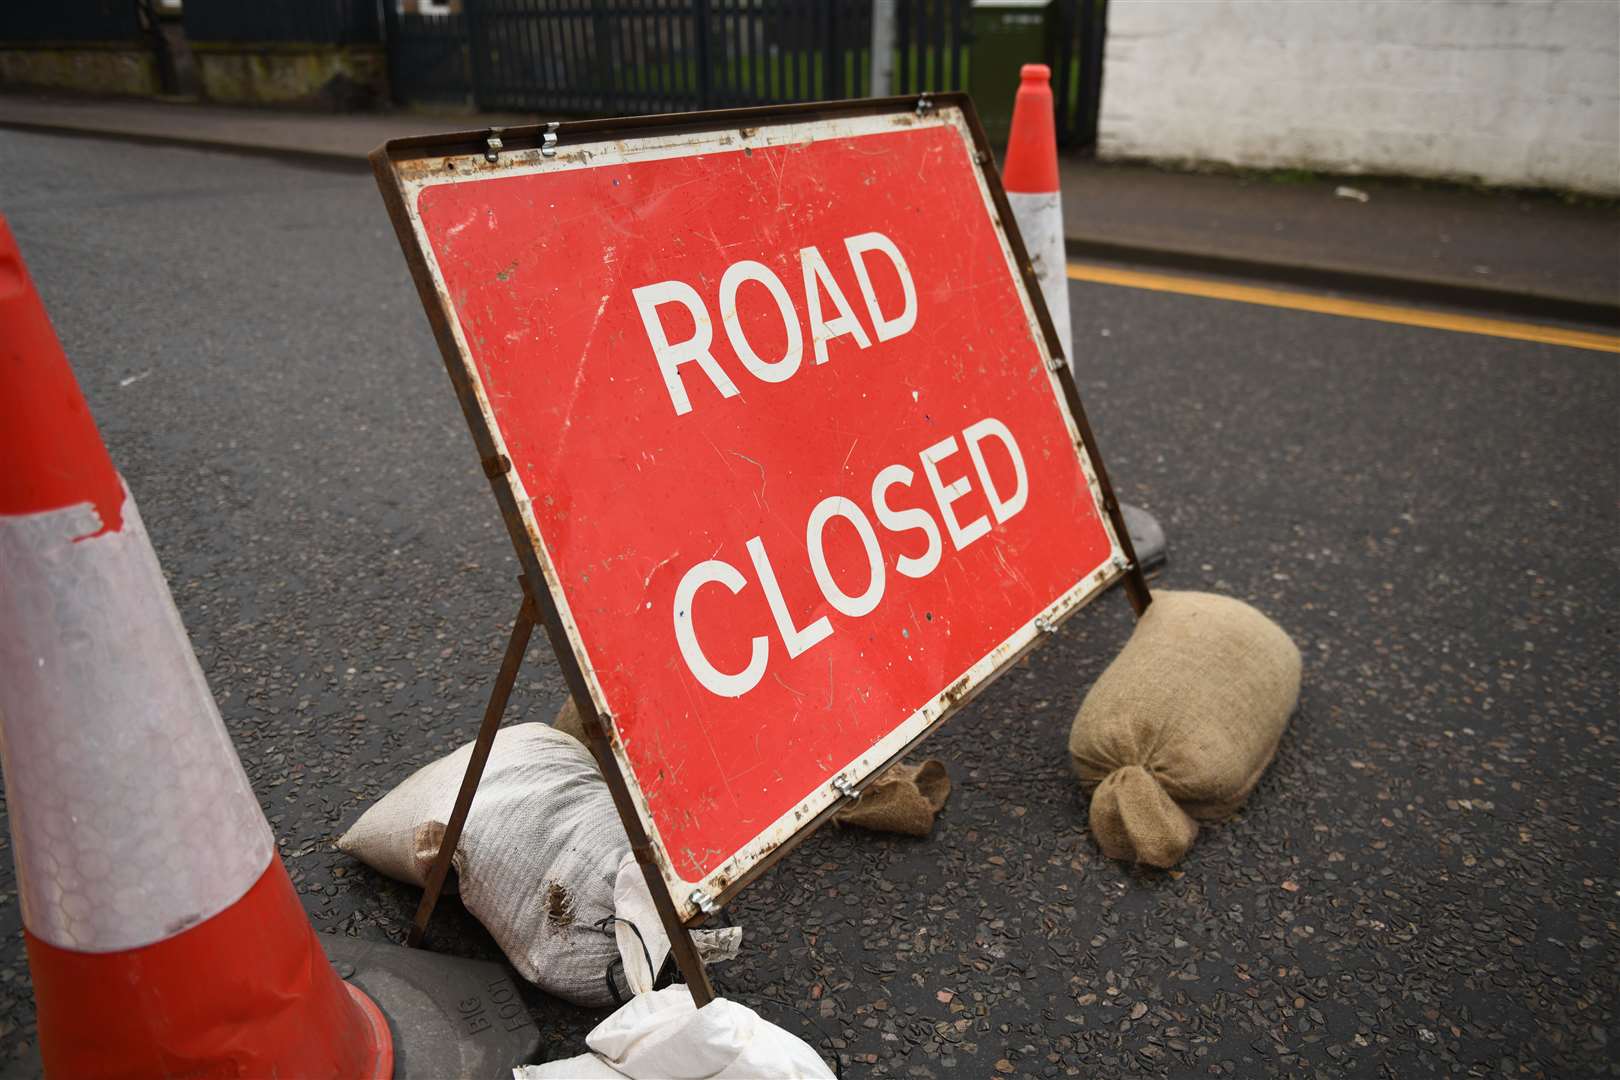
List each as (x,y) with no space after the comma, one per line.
(1526,254)
(1423,884)
(1535,255)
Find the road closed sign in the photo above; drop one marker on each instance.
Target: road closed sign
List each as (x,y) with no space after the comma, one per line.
(773,414)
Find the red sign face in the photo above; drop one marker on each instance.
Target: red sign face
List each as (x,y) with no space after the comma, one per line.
(784,429)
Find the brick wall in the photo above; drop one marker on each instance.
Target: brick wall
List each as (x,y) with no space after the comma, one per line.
(1523,93)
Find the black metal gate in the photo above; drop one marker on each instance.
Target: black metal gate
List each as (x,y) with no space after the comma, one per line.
(1077,61)
(644,56)
(627,56)
(428,59)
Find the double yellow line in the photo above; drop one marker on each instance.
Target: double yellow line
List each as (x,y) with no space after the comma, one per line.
(1351,309)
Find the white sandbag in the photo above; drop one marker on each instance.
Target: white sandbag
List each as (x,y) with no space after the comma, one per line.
(644,953)
(661,1036)
(583,1067)
(542,860)
(643,945)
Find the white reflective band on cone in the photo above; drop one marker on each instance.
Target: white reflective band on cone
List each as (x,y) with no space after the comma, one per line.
(130,812)
(1040,222)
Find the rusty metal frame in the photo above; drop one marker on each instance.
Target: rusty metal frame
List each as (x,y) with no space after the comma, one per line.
(543,605)
(680,936)
(516,646)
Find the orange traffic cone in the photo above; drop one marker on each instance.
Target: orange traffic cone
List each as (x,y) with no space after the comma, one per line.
(1030,177)
(163,934)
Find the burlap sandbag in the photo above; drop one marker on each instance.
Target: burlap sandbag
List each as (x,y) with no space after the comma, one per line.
(569,722)
(905,800)
(1181,725)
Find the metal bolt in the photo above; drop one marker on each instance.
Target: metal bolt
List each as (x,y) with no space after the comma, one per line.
(493,145)
(842,785)
(923,105)
(702,901)
(1043,624)
(548,141)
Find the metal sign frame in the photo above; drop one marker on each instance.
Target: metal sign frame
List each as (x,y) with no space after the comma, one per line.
(401,167)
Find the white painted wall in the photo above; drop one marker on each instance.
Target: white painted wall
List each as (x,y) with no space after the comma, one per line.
(1521,92)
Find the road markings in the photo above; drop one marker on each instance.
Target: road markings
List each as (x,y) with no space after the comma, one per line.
(1351,309)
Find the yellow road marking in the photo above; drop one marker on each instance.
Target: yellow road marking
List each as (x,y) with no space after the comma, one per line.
(1351,309)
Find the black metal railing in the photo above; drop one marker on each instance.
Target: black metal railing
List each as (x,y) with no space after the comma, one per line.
(319,22)
(1077,67)
(69,20)
(933,39)
(584,57)
(657,55)
(428,57)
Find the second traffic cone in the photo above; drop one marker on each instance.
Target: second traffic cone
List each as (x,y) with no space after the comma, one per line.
(1030,176)
(164,936)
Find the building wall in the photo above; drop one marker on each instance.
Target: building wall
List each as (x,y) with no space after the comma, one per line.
(332,77)
(1523,93)
(83,67)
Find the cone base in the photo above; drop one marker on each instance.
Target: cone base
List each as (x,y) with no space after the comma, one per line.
(246,993)
(449,1016)
(1147,538)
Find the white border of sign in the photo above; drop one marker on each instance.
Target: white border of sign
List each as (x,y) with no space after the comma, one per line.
(653,146)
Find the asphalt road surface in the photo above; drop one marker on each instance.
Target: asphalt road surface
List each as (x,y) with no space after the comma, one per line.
(1424,884)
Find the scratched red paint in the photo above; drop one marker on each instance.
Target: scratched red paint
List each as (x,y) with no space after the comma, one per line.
(630,495)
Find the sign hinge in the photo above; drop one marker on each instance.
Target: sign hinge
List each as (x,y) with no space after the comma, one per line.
(844,788)
(493,145)
(548,140)
(703,902)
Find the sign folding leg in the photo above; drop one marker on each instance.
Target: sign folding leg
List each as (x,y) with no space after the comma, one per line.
(680,935)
